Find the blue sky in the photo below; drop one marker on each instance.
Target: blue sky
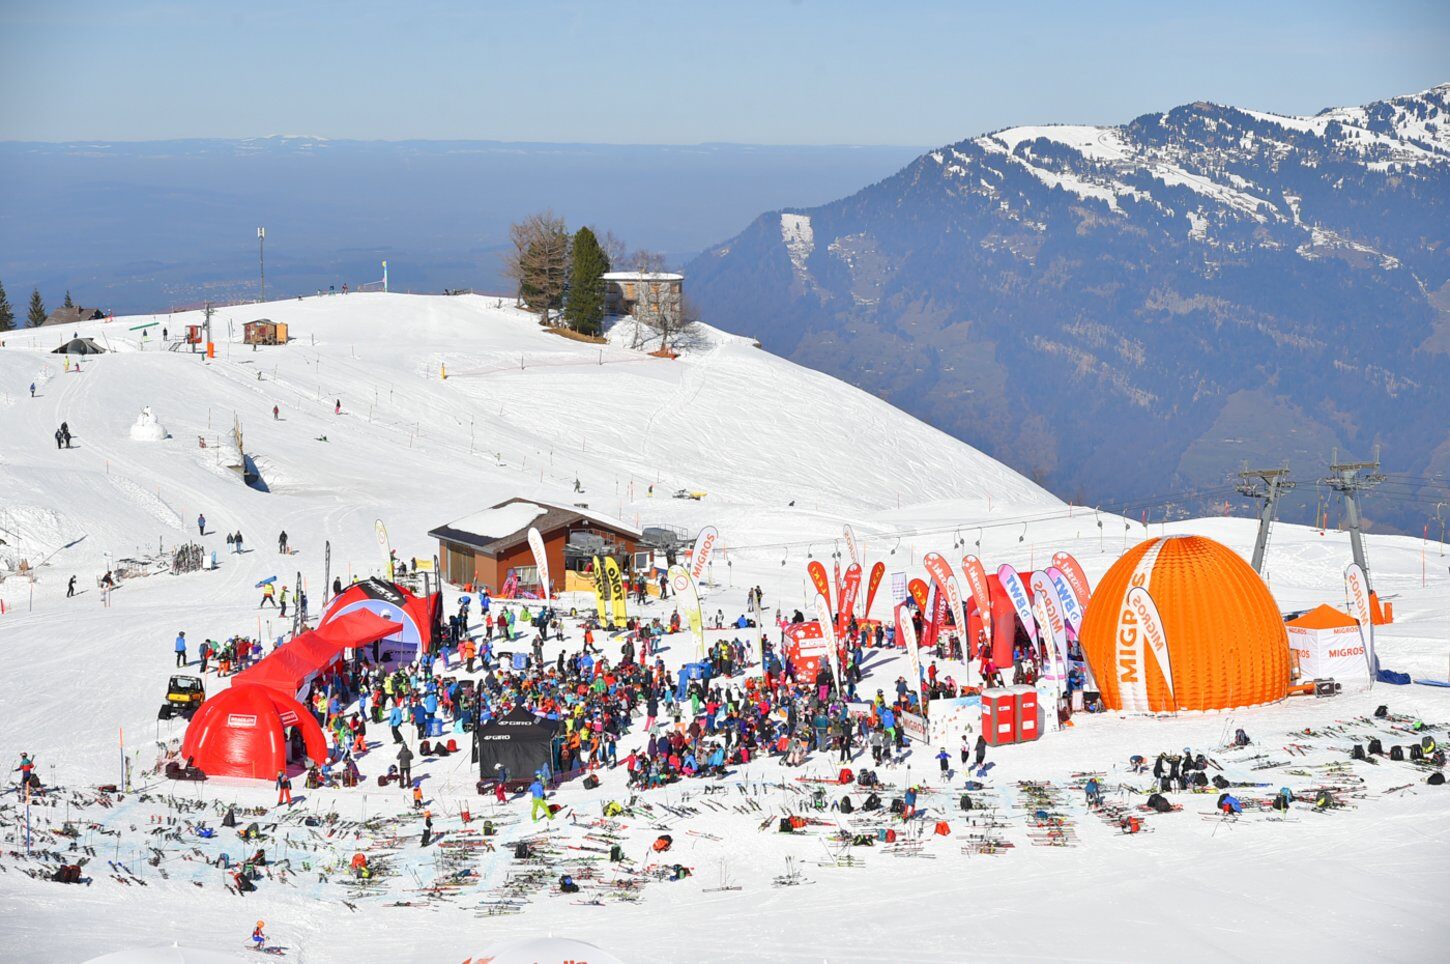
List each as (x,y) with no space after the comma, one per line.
(749,71)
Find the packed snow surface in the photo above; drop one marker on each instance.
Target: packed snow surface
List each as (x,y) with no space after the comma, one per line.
(786,458)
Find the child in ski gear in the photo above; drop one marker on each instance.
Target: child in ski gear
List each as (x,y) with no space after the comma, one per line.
(259,939)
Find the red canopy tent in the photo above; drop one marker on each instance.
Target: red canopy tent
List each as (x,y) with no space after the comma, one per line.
(295,664)
(243,732)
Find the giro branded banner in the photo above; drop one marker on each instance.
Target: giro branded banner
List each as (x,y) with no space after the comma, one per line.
(601,591)
(381,531)
(817,571)
(1356,588)
(1150,629)
(981,593)
(541,561)
(1017,593)
(850,588)
(704,549)
(1076,578)
(852,549)
(687,597)
(828,632)
(1071,611)
(615,579)
(906,632)
(1130,650)
(1052,623)
(878,572)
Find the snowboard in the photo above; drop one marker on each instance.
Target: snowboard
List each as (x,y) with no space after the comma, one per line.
(264,582)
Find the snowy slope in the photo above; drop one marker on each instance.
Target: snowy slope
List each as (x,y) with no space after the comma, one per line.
(524,412)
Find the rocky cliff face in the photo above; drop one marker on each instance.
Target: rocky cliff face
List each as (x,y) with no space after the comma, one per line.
(1126,311)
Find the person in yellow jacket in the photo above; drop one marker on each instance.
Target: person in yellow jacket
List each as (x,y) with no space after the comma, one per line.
(269,595)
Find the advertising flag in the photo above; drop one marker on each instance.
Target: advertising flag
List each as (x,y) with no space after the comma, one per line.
(541,561)
(1075,577)
(687,595)
(906,632)
(852,549)
(381,531)
(1356,588)
(616,591)
(1071,610)
(918,590)
(601,591)
(700,555)
(878,571)
(828,632)
(1012,584)
(851,586)
(981,592)
(1048,605)
(817,571)
(1150,628)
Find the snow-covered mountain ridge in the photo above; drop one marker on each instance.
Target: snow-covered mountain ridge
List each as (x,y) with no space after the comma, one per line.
(1202,280)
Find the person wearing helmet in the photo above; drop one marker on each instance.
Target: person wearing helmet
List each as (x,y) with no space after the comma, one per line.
(259,939)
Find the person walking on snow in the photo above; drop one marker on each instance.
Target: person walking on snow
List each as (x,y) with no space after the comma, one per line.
(981,750)
(540,801)
(59,439)
(70,589)
(282,542)
(945,759)
(181,648)
(337,407)
(239,540)
(200,524)
(269,595)
(32,389)
(283,597)
(405,766)
(275,411)
(284,788)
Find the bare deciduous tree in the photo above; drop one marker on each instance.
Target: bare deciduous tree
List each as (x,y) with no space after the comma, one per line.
(538,264)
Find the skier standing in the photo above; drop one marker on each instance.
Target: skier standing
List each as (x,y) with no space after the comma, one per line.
(181,648)
(282,542)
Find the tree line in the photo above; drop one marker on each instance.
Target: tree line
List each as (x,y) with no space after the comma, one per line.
(34,317)
(561,277)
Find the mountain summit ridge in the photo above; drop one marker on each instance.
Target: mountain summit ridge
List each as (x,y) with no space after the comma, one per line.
(1213,283)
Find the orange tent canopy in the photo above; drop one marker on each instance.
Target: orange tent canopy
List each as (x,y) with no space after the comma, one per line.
(1324,616)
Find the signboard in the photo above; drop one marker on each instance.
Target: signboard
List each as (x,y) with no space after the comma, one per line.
(914,727)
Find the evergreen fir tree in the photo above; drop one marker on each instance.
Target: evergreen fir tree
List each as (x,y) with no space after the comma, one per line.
(36,316)
(68,302)
(7,314)
(585,310)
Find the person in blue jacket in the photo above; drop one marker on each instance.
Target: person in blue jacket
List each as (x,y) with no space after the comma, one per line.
(908,800)
(181,648)
(395,720)
(538,796)
(1229,804)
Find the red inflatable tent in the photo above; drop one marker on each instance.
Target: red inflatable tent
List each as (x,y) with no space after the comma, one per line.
(295,664)
(243,731)
(1005,624)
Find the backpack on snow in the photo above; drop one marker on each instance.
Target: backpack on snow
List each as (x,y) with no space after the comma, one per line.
(1381,712)
(591,781)
(1376,747)
(1415,752)
(1199,779)
(898,805)
(1220,781)
(846,805)
(785,825)
(873,802)
(1159,803)
(845,776)
(966,802)
(1357,753)
(1436,779)
(1397,752)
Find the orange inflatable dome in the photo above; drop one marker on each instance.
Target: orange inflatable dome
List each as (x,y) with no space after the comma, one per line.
(1218,643)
